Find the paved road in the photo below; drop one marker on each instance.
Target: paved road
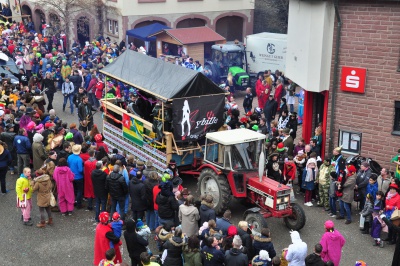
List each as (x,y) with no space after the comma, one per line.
(70,240)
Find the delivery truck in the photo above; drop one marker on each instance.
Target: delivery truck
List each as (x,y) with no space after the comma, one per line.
(265,51)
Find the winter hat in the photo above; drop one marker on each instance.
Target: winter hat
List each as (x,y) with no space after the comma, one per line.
(395,186)
(39,128)
(351,169)
(69,136)
(280,147)
(232,231)
(243,120)
(295,236)
(116,216)
(139,224)
(255,127)
(301,152)
(31,126)
(49,125)
(37,137)
(165,177)
(329,224)
(104,217)
(98,137)
(263,255)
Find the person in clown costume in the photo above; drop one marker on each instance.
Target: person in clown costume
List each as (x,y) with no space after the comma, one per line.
(104,234)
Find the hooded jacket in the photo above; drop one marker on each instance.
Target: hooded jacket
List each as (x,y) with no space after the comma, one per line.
(207,212)
(43,186)
(297,251)
(22,144)
(235,257)
(332,244)
(314,260)
(174,247)
(149,185)
(263,243)
(99,183)
(189,216)
(137,190)
(212,256)
(192,258)
(167,204)
(134,243)
(116,185)
(223,224)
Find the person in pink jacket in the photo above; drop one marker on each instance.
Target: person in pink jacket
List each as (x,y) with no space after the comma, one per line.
(332,243)
(64,179)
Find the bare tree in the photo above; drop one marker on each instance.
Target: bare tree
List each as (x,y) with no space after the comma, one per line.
(67,9)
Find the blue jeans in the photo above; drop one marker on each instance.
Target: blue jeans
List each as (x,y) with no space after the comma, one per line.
(291,108)
(151,219)
(100,202)
(345,207)
(78,190)
(71,104)
(35,69)
(268,124)
(126,205)
(121,202)
(332,205)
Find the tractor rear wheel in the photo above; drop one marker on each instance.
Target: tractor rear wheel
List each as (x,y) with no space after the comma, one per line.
(297,220)
(216,186)
(256,222)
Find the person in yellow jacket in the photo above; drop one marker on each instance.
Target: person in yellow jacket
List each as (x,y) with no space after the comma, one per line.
(65,69)
(24,190)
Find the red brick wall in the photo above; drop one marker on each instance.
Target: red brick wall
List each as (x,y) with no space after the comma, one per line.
(370,39)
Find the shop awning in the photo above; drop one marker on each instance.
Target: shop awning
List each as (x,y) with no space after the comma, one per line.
(142,33)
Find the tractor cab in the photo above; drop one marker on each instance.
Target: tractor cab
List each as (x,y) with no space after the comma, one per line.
(238,150)
(225,58)
(233,165)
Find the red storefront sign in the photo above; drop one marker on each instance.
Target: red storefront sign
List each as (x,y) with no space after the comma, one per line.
(353,79)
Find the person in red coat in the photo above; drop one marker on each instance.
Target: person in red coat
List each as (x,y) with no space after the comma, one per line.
(99,142)
(103,236)
(278,93)
(88,168)
(262,90)
(289,170)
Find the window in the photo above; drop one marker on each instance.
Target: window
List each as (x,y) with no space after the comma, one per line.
(396,124)
(350,141)
(112,26)
(115,27)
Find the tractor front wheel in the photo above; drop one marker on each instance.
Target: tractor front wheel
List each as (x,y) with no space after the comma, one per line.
(297,220)
(217,186)
(256,222)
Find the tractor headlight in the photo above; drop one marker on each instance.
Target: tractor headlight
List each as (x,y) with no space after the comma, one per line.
(278,201)
(287,199)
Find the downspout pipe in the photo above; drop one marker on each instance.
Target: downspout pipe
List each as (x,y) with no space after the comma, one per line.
(335,75)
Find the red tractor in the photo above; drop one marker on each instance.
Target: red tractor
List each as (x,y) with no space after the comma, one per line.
(230,168)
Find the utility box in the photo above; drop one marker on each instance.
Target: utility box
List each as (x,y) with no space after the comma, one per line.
(266,51)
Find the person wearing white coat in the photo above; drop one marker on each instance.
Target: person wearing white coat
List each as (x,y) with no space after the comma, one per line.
(297,251)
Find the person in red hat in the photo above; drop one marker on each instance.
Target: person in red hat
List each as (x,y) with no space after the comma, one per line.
(392,201)
(104,234)
(347,190)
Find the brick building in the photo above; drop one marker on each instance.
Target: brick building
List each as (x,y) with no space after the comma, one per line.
(370,39)
(366,123)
